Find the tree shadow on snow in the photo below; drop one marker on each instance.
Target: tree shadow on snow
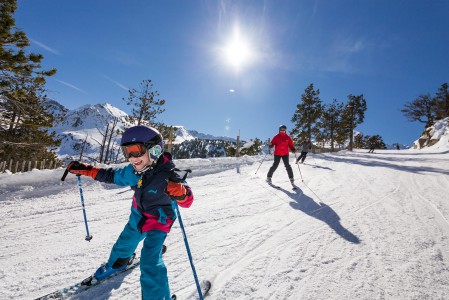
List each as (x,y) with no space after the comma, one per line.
(320,167)
(320,211)
(392,162)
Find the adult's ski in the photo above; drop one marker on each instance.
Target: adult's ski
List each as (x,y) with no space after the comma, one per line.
(273,185)
(90,281)
(294,187)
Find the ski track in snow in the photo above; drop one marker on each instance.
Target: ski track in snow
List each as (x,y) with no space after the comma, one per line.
(360,226)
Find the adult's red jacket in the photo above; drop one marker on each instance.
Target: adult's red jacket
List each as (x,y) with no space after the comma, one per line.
(282,143)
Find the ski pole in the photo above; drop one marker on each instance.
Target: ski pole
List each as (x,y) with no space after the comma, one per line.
(261,163)
(88,236)
(296,160)
(188,251)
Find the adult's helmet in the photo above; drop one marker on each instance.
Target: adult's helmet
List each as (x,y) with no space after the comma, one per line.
(147,136)
(282,127)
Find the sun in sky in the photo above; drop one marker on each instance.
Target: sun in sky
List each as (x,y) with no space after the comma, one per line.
(237,51)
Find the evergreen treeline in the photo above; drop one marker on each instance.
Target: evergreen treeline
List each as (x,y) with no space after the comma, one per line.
(365,141)
(204,148)
(331,124)
(24,117)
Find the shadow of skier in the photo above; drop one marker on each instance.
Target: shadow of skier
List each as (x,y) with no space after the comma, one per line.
(320,211)
(103,291)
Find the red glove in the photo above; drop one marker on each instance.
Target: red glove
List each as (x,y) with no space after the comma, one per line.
(75,167)
(176,190)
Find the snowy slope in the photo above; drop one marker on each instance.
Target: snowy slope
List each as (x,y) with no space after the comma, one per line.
(361,226)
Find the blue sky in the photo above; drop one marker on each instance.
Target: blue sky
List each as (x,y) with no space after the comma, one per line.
(390,51)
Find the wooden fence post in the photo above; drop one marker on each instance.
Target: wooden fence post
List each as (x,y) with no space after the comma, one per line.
(25,166)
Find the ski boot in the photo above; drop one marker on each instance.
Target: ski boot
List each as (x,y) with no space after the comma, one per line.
(107,270)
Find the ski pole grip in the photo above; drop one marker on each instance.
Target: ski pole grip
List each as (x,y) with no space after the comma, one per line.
(65,174)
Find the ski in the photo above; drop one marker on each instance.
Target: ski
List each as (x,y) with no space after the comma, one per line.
(205,286)
(90,281)
(273,185)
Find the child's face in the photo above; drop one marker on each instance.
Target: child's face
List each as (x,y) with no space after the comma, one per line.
(140,162)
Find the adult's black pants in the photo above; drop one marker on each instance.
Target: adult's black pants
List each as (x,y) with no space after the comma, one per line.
(277,160)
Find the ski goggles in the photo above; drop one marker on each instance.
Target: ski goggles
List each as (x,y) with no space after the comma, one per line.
(137,150)
(134,150)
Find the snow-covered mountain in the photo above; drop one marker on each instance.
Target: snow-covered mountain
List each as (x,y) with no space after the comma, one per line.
(83,130)
(183,134)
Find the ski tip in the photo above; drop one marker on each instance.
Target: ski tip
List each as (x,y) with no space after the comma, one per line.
(207,286)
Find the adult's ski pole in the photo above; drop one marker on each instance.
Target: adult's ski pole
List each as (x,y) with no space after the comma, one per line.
(261,163)
(296,160)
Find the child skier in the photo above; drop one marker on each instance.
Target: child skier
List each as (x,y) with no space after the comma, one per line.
(282,143)
(306,145)
(151,175)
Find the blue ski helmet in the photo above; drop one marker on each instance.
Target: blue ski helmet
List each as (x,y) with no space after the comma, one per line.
(148,136)
(282,127)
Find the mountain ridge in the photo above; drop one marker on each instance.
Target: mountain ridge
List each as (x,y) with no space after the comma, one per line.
(82,129)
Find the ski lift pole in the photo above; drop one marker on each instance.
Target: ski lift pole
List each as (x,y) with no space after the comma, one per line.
(88,236)
(186,242)
(296,160)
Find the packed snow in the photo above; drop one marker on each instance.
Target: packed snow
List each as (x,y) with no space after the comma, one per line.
(359,226)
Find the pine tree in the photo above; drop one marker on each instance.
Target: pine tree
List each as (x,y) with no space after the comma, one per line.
(422,109)
(427,110)
(24,118)
(442,102)
(331,123)
(307,113)
(146,105)
(359,141)
(353,114)
(375,140)
(254,149)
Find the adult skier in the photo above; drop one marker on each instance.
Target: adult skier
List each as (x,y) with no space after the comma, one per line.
(306,145)
(372,147)
(151,175)
(282,143)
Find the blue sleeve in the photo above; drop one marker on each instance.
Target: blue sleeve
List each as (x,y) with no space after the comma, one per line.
(125,176)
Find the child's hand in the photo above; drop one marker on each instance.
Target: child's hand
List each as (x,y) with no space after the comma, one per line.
(176,190)
(78,168)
